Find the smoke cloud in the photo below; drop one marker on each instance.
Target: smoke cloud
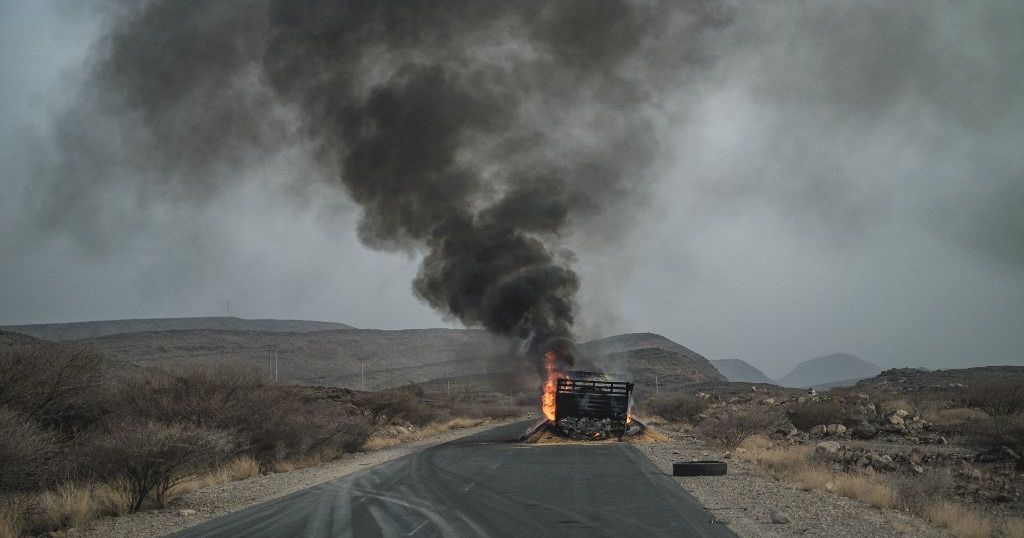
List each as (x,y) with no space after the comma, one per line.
(476,133)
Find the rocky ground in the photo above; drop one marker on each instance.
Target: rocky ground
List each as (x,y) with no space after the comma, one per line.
(221,499)
(746,498)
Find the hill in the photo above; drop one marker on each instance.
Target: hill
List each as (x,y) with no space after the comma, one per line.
(8,338)
(94,329)
(827,370)
(331,358)
(388,358)
(640,356)
(661,370)
(741,371)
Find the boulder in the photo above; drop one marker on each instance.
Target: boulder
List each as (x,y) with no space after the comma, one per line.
(835,429)
(901,413)
(864,430)
(818,430)
(827,447)
(896,419)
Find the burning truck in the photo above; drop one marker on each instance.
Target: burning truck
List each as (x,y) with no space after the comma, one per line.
(585,405)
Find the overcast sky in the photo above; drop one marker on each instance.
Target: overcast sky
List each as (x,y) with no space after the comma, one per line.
(839,179)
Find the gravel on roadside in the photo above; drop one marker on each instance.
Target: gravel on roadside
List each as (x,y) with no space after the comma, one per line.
(214,501)
(746,498)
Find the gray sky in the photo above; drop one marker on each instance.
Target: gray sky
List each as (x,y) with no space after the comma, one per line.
(838,179)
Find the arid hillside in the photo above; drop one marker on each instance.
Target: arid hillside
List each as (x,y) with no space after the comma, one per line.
(93,329)
(329,358)
(741,371)
(377,359)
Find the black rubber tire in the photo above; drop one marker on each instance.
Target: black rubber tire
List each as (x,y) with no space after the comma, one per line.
(699,468)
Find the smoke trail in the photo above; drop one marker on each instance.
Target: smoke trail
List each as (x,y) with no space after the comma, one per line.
(478,133)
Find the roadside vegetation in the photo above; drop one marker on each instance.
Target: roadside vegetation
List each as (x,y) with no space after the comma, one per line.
(78,442)
(874,444)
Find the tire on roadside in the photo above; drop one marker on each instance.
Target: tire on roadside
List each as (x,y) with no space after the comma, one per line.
(699,468)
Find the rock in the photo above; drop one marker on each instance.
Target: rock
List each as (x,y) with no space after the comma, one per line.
(896,419)
(916,455)
(818,430)
(186,512)
(778,517)
(835,429)
(830,487)
(864,430)
(787,429)
(917,469)
(901,413)
(827,447)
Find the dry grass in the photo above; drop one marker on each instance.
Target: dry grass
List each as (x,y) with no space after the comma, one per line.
(960,521)
(237,469)
(11,519)
(954,416)
(67,506)
(867,490)
(1014,528)
(377,443)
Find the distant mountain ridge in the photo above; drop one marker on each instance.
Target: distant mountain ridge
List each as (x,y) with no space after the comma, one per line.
(831,370)
(741,371)
(95,329)
(9,338)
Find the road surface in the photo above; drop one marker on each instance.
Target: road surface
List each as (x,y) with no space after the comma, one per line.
(485,485)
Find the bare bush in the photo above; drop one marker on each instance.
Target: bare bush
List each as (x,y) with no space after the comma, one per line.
(997,398)
(400,403)
(675,407)
(806,415)
(730,428)
(917,493)
(57,385)
(995,433)
(147,458)
(27,452)
(271,422)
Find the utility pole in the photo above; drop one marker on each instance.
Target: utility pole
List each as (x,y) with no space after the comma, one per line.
(362,374)
(657,391)
(228,308)
(449,391)
(272,361)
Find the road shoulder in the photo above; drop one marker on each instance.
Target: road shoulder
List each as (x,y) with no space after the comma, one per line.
(744,498)
(221,499)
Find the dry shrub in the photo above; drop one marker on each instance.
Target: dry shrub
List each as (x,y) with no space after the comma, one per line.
(795,464)
(11,517)
(377,443)
(57,385)
(954,416)
(997,398)
(917,493)
(997,432)
(237,469)
(1013,528)
(402,403)
(272,422)
(806,415)
(27,452)
(147,458)
(960,521)
(67,506)
(675,407)
(866,489)
(729,428)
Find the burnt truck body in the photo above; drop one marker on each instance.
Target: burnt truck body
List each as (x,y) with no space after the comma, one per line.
(591,405)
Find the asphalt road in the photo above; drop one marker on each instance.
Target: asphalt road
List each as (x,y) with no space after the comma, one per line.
(486,485)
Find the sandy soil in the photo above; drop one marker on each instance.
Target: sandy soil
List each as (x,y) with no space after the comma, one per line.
(221,499)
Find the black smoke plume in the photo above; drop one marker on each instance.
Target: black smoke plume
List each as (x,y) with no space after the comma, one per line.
(479,133)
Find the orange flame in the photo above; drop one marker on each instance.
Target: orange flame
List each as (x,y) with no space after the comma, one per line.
(547,398)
